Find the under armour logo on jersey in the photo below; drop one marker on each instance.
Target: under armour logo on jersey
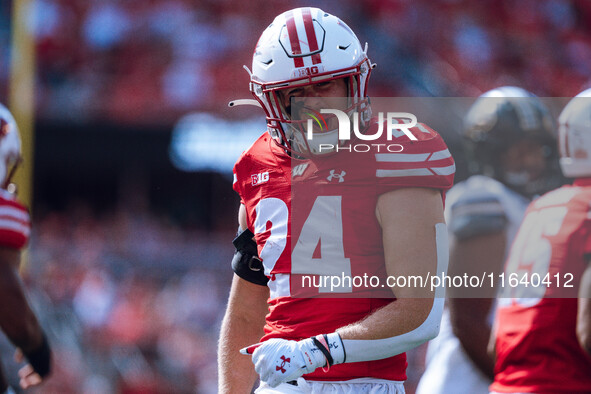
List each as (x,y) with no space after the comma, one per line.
(340,177)
(262,177)
(299,170)
(281,367)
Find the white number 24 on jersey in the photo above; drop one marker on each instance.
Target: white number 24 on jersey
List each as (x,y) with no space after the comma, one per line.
(323,225)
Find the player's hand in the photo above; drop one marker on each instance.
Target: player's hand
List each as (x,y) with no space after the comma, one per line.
(28,376)
(279,360)
(39,364)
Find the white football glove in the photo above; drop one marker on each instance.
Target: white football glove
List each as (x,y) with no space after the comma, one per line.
(280,360)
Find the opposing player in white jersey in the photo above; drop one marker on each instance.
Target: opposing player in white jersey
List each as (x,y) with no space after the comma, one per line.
(321,213)
(17,320)
(510,142)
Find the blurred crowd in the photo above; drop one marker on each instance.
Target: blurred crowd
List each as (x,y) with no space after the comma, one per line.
(149,61)
(131,303)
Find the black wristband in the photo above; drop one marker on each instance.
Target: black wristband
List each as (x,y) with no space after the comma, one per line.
(40,358)
(324,350)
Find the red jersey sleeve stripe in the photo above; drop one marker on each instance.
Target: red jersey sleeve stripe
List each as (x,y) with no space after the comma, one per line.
(13,212)
(15,226)
(440,155)
(412,157)
(401,157)
(20,222)
(448,170)
(444,170)
(402,173)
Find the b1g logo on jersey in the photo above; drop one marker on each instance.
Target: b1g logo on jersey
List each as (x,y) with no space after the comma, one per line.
(259,178)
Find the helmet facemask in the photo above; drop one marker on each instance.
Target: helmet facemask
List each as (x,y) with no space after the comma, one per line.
(287,123)
(498,123)
(529,166)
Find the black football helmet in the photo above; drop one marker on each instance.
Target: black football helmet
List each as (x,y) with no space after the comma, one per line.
(502,118)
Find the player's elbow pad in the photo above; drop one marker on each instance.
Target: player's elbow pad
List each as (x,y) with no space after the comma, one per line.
(246,262)
(377,349)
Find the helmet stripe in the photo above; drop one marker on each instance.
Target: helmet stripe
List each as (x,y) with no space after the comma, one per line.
(294,40)
(311,35)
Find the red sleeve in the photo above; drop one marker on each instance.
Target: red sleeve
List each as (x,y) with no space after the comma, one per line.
(242,171)
(587,246)
(236,186)
(586,236)
(15,225)
(426,162)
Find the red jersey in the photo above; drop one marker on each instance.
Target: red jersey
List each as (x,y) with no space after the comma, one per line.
(536,343)
(15,225)
(317,218)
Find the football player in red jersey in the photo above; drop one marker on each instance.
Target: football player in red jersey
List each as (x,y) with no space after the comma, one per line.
(542,328)
(17,320)
(322,213)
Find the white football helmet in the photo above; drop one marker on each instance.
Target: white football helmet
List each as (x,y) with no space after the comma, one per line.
(306,46)
(574,136)
(10,146)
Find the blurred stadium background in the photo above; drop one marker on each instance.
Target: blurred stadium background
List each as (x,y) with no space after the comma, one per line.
(133,210)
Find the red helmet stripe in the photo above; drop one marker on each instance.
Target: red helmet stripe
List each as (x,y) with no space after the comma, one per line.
(311,35)
(294,40)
